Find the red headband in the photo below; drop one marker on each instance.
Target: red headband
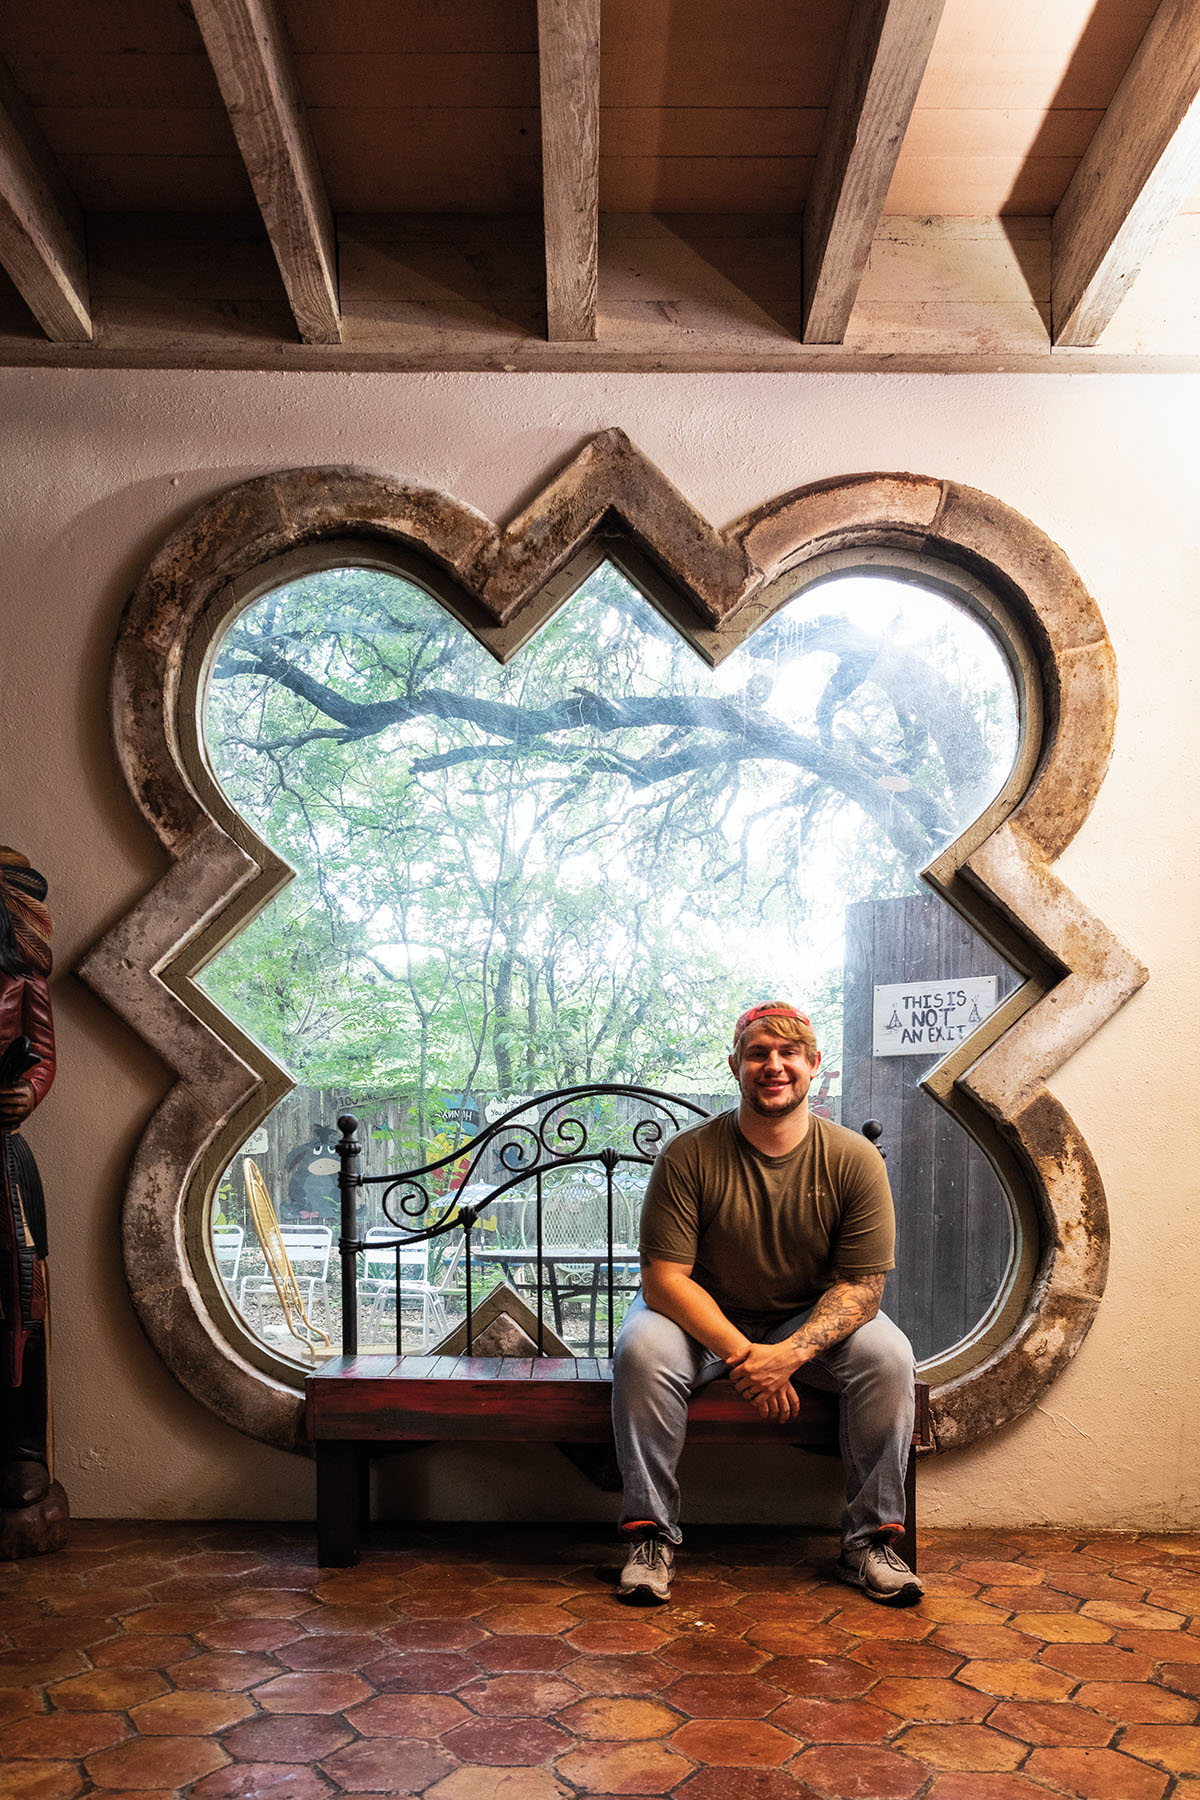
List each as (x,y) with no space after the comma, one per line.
(771,1009)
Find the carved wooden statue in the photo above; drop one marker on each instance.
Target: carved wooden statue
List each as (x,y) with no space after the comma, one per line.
(33,1507)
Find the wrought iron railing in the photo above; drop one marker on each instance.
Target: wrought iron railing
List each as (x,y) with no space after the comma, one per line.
(532,1144)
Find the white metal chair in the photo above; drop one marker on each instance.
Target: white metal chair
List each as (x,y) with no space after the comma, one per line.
(377,1284)
(227,1241)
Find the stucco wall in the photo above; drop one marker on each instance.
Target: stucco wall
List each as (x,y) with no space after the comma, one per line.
(99,466)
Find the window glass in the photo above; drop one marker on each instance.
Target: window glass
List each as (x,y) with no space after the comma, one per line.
(580,867)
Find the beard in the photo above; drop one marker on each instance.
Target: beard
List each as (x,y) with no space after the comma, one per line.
(775,1106)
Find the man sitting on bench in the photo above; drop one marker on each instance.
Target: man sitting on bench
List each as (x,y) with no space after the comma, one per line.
(766,1236)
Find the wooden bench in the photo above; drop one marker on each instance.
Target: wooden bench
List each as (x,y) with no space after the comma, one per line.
(358,1405)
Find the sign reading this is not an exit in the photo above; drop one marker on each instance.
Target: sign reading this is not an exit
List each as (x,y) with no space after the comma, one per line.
(919,1018)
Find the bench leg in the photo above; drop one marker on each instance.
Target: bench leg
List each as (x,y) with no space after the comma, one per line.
(343,1502)
(906,1544)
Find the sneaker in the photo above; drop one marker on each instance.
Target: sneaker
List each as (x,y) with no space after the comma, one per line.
(881,1574)
(646,1577)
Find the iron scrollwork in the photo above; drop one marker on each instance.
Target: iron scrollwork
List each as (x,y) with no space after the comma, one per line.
(534,1139)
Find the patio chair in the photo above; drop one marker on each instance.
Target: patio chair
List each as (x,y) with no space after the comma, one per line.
(311,1245)
(377,1284)
(227,1243)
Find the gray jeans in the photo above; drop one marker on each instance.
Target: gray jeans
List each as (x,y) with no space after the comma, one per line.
(657,1367)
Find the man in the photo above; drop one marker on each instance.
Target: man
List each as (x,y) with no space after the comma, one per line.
(766,1236)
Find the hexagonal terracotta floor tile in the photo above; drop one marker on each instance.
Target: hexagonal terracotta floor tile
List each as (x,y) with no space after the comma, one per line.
(144,1650)
(714,1655)
(859,1772)
(170,1762)
(526,1621)
(532,1593)
(745,1743)
(322,1691)
(985,1642)
(1178,1646)
(18,1703)
(367,1618)
(1063,1627)
(868,1619)
(194,1713)
(516,1742)
(1097,1774)
(960,1609)
(407,1715)
(172,1617)
(619,1718)
(906,1659)
(975,1747)
(1036,1722)
(1176,1747)
(509,1696)
(433,1634)
(1001,1574)
(836,1721)
(639,1769)
(1019,1600)
(247,1634)
(1136,1703)
(222,1671)
(41,1781)
(724,1696)
(418,1672)
(612,1637)
(1016,1680)
(387,1765)
(287,1737)
(744,1784)
(477,1783)
(53,1735)
(944,1702)
(619,1674)
(820,1677)
(957,1785)
(261,1781)
(79,1631)
(107,1690)
(1132,1613)
(511,1655)
(1098,1662)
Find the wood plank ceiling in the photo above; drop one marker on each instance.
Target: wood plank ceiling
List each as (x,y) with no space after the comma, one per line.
(572,184)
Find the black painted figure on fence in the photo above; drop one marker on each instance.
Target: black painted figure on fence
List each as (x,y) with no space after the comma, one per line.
(32,1507)
(766,1237)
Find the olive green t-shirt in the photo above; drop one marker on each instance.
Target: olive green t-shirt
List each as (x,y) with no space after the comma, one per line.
(766,1235)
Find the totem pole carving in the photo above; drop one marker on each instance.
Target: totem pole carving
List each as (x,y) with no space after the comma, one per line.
(33,1507)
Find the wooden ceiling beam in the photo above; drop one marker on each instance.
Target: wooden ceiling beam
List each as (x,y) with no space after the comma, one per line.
(250,58)
(887,47)
(1132,180)
(41,226)
(569,74)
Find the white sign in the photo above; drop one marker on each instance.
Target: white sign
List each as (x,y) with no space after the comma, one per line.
(256,1144)
(926,1018)
(496,1109)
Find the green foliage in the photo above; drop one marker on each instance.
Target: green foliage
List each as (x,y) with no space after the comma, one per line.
(581,866)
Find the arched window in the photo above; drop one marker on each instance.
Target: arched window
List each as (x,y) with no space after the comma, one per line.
(800,740)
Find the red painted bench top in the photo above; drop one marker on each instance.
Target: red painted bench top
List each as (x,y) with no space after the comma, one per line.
(394,1399)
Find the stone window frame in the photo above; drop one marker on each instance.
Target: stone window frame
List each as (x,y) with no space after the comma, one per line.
(716,586)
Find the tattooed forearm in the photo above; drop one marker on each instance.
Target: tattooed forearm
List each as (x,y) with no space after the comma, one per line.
(840,1310)
(761,1372)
